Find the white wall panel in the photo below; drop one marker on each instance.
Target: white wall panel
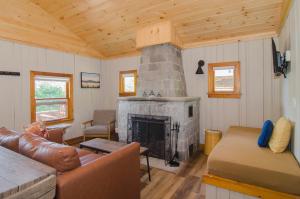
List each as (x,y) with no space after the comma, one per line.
(258,87)
(213,192)
(15,91)
(111,70)
(290,40)
(260,90)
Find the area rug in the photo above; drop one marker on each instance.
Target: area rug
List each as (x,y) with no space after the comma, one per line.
(160,164)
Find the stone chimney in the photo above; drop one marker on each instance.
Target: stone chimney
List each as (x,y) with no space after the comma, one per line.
(161,71)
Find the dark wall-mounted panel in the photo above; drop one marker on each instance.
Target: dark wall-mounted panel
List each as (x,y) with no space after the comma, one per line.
(8,73)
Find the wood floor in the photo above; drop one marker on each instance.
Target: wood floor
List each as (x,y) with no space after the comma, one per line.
(184,185)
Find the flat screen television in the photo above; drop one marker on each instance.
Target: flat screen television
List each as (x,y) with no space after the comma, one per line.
(276,60)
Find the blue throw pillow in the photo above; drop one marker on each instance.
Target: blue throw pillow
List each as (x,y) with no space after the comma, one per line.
(265,134)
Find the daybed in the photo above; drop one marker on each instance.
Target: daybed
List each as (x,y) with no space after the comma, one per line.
(238,164)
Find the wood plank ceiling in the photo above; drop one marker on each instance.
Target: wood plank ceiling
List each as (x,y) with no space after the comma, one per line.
(109,26)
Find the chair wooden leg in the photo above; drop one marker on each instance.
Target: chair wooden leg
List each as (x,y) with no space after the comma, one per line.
(108,136)
(84,138)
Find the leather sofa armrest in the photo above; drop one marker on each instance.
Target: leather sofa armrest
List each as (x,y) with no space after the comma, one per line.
(55,135)
(116,175)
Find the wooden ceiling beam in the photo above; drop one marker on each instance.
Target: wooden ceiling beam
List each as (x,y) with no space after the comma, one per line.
(159,33)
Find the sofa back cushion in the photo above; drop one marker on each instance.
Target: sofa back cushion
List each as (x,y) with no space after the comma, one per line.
(103,116)
(9,139)
(61,157)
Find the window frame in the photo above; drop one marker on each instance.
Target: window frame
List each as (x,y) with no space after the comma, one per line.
(122,92)
(211,81)
(69,97)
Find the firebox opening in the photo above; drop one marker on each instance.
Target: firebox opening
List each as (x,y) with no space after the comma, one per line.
(152,132)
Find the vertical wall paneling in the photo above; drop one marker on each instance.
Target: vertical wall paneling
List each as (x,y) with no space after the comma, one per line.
(231,106)
(15,93)
(256,77)
(289,39)
(222,193)
(254,72)
(111,69)
(211,192)
(258,86)
(260,91)
(243,77)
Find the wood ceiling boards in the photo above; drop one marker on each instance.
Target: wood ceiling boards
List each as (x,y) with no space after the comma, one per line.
(109,26)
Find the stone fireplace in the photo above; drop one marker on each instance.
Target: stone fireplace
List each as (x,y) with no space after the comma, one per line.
(161,71)
(161,94)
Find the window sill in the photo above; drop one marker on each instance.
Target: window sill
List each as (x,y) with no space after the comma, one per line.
(224,95)
(49,123)
(127,94)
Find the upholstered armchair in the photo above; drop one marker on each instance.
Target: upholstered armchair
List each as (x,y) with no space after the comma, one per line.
(102,125)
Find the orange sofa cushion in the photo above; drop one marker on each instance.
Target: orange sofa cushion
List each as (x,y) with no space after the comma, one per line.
(61,157)
(9,139)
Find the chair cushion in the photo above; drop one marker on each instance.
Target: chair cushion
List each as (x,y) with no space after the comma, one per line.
(103,116)
(98,129)
(61,157)
(281,135)
(266,133)
(9,139)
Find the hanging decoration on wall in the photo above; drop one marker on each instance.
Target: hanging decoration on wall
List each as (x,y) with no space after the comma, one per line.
(90,80)
(9,73)
(200,65)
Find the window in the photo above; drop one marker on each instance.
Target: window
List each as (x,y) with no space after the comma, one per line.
(224,80)
(127,83)
(51,97)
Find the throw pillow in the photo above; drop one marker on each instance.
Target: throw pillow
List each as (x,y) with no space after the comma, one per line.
(266,133)
(281,135)
(37,128)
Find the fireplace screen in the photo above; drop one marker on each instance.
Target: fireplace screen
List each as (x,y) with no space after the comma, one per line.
(153,132)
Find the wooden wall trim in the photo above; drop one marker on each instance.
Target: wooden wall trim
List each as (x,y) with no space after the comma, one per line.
(247,189)
(230,40)
(204,44)
(69,97)
(236,93)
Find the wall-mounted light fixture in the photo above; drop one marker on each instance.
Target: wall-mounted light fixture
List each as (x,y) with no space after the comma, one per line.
(200,65)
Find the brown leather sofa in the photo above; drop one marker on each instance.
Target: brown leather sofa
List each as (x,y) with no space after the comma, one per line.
(82,174)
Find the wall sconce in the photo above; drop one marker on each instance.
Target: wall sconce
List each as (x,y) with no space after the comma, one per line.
(200,65)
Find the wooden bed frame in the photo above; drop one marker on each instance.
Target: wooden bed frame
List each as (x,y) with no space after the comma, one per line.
(247,189)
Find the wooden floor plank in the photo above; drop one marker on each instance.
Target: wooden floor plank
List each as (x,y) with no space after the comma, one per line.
(184,185)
